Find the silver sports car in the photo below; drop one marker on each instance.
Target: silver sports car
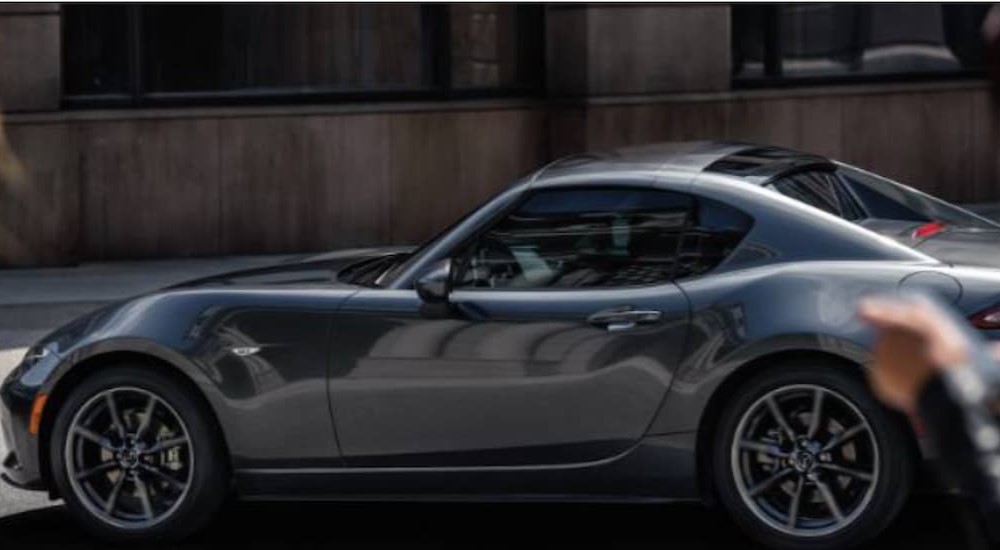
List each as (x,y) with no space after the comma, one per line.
(649,324)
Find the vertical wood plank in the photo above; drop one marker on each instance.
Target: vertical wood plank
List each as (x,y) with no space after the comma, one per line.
(39,215)
(150,188)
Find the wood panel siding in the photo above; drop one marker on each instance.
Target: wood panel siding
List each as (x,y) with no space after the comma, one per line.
(944,142)
(174,183)
(214,185)
(40,214)
(148,188)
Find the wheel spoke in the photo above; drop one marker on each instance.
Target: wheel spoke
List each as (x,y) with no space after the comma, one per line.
(125,478)
(170,480)
(761,447)
(767,483)
(831,503)
(858,474)
(817,411)
(167,444)
(143,493)
(147,418)
(796,446)
(100,440)
(793,511)
(99,469)
(116,420)
(772,405)
(109,506)
(845,435)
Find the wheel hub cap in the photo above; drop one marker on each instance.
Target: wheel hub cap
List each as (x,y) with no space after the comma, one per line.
(129,459)
(803,461)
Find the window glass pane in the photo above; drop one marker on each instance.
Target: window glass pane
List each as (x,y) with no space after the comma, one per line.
(259,49)
(826,39)
(96,48)
(302,47)
(820,190)
(602,238)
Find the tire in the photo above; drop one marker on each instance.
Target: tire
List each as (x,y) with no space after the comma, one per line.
(761,498)
(159,486)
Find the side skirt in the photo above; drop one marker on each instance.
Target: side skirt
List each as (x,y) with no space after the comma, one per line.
(658,469)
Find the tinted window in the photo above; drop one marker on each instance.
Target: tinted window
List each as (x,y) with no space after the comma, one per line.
(142,53)
(602,238)
(820,190)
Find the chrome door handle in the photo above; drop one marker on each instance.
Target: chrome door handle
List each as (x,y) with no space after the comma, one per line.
(615,320)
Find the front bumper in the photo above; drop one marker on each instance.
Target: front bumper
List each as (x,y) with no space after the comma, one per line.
(19,452)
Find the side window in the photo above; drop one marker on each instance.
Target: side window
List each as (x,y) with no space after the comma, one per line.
(821,190)
(570,238)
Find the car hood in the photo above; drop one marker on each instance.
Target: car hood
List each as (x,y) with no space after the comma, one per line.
(319,268)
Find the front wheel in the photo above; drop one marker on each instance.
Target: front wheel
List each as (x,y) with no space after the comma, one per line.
(806,457)
(135,457)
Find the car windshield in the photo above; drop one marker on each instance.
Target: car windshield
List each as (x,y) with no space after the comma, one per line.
(401,266)
(885,199)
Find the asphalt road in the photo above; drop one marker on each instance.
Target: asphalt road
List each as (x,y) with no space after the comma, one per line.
(30,520)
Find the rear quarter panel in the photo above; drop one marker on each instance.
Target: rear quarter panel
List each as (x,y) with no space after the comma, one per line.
(742,316)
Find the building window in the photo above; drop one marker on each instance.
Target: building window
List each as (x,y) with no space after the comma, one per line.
(791,43)
(224,53)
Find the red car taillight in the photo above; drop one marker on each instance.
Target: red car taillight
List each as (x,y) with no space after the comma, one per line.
(987,319)
(928,230)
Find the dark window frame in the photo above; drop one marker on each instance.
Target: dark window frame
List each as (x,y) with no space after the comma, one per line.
(436,57)
(774,76)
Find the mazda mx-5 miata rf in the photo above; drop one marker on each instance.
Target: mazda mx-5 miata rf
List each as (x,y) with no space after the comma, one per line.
(650,324)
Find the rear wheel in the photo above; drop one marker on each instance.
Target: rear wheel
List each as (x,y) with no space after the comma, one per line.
(135,456)
(806,457)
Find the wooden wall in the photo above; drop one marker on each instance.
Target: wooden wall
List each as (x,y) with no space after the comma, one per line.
(175,183)
(941,139)
(193,185)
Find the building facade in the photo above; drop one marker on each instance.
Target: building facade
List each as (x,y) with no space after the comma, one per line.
(152,131)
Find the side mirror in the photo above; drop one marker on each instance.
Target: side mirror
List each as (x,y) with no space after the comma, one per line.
(434,286)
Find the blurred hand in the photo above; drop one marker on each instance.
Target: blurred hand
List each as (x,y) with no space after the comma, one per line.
(912,345)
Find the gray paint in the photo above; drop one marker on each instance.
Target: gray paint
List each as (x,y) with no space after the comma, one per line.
(360,392)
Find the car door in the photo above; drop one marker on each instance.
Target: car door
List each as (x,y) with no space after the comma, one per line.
(558,344)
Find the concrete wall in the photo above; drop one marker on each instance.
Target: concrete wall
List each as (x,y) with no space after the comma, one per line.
(30,57)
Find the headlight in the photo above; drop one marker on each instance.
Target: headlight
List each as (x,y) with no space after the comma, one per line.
(34,355)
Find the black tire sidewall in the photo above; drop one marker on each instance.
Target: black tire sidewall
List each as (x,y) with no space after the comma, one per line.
(210,482)
(895,469)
